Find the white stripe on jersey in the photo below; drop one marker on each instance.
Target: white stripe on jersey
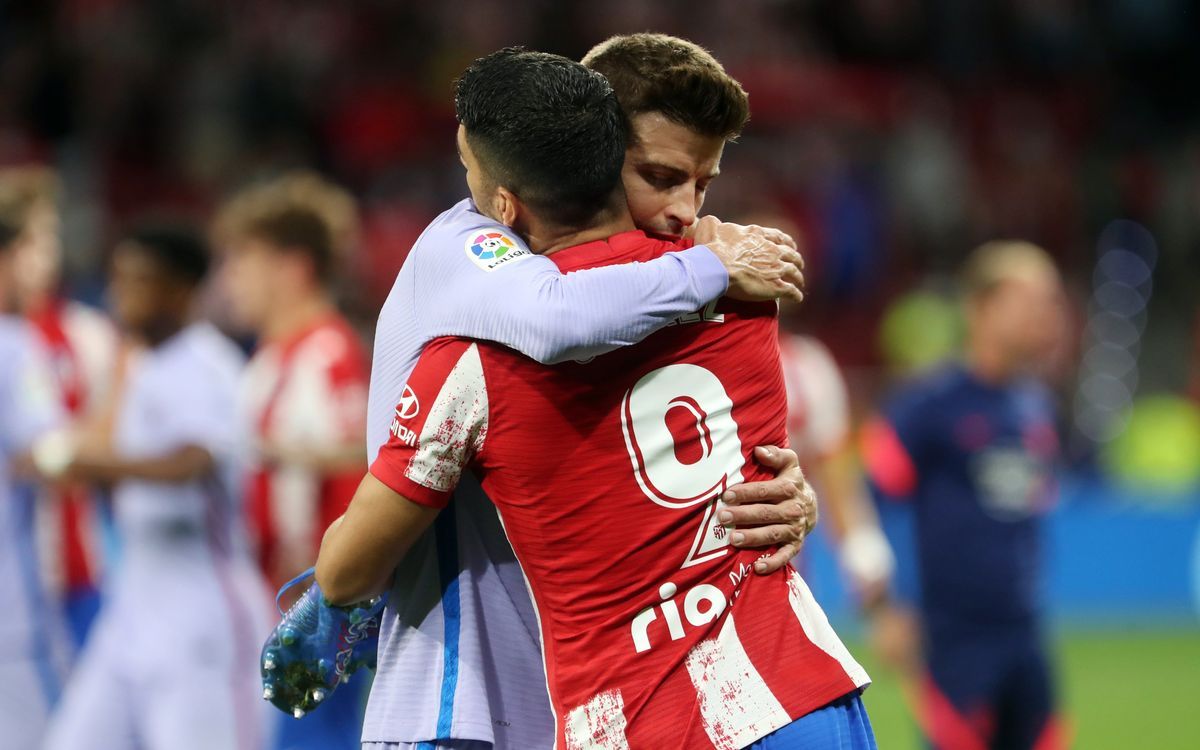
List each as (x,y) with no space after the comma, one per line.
(598,724)
(816,627)
(455,427)
(737,706)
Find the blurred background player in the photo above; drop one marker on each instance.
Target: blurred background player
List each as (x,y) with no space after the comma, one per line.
(304,391)
(973,449)
(170,663)
(81,346)
(33,638)
(820,430)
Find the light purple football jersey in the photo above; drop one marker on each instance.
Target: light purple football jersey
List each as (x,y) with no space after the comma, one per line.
(184,540)
(459,651)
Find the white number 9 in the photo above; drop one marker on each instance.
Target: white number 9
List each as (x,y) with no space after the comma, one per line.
(694,400)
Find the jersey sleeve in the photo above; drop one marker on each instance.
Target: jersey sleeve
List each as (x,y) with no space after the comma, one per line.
(33,403)
(527,304)
(438,426)
(891,444)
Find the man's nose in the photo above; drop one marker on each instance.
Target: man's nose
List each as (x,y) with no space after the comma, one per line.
(683,211)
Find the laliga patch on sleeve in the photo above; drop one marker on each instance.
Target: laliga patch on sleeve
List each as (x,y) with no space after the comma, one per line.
(491,248)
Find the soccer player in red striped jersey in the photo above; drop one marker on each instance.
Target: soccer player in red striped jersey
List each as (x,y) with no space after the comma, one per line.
(303,393)
(608,474)
(81,345)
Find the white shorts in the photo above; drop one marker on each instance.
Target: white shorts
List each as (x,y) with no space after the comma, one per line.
(24,704)
(181,676)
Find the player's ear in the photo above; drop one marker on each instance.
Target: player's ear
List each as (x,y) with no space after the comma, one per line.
(508,206)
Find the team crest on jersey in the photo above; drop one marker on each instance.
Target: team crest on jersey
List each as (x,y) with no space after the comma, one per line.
(492,249)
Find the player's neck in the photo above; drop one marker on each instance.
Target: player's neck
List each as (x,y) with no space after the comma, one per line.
(297,314)
(549,239)
(38,305)
(161,330)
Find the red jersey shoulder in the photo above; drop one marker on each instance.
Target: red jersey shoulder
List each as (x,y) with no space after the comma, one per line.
(425,384)
(438,425)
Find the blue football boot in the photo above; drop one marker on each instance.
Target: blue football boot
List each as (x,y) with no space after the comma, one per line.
(316,647)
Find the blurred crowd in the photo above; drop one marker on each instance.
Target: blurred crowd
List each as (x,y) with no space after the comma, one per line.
(892,136)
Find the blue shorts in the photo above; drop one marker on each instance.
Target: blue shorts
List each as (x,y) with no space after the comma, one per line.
(81,607)
(842,725)
(989,692)
(438,745)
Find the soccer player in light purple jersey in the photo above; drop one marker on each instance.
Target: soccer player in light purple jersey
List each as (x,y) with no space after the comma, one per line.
(169,664)
(459,657)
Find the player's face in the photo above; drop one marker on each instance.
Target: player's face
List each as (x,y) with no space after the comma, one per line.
(247,274)
(668,168)
(1027,316)
(137,288)
(38,255)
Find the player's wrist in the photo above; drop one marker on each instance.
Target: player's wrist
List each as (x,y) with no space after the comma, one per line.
(866,555)
(371,605)
(53,453)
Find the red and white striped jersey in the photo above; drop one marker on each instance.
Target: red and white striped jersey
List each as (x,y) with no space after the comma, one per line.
(818,403)
(81,345)
(305,396)
(606,475)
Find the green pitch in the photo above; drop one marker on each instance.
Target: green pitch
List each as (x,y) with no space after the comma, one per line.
(1121,690)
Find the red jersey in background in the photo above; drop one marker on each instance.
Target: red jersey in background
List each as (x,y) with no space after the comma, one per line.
(305,396)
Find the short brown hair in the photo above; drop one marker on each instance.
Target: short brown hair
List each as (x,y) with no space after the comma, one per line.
(298,212)
(680,79)
(22,189)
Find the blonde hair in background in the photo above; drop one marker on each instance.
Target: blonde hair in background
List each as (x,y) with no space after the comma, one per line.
(297,209)
(998,261)
(22,190)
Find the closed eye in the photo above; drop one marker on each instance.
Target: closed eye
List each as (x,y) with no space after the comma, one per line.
(663,179)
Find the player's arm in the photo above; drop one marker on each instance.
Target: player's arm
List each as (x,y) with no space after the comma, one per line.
(826,432)
(412,477)
(528,305)
(182,464)
(192,433)
(863,549)
(362,548)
